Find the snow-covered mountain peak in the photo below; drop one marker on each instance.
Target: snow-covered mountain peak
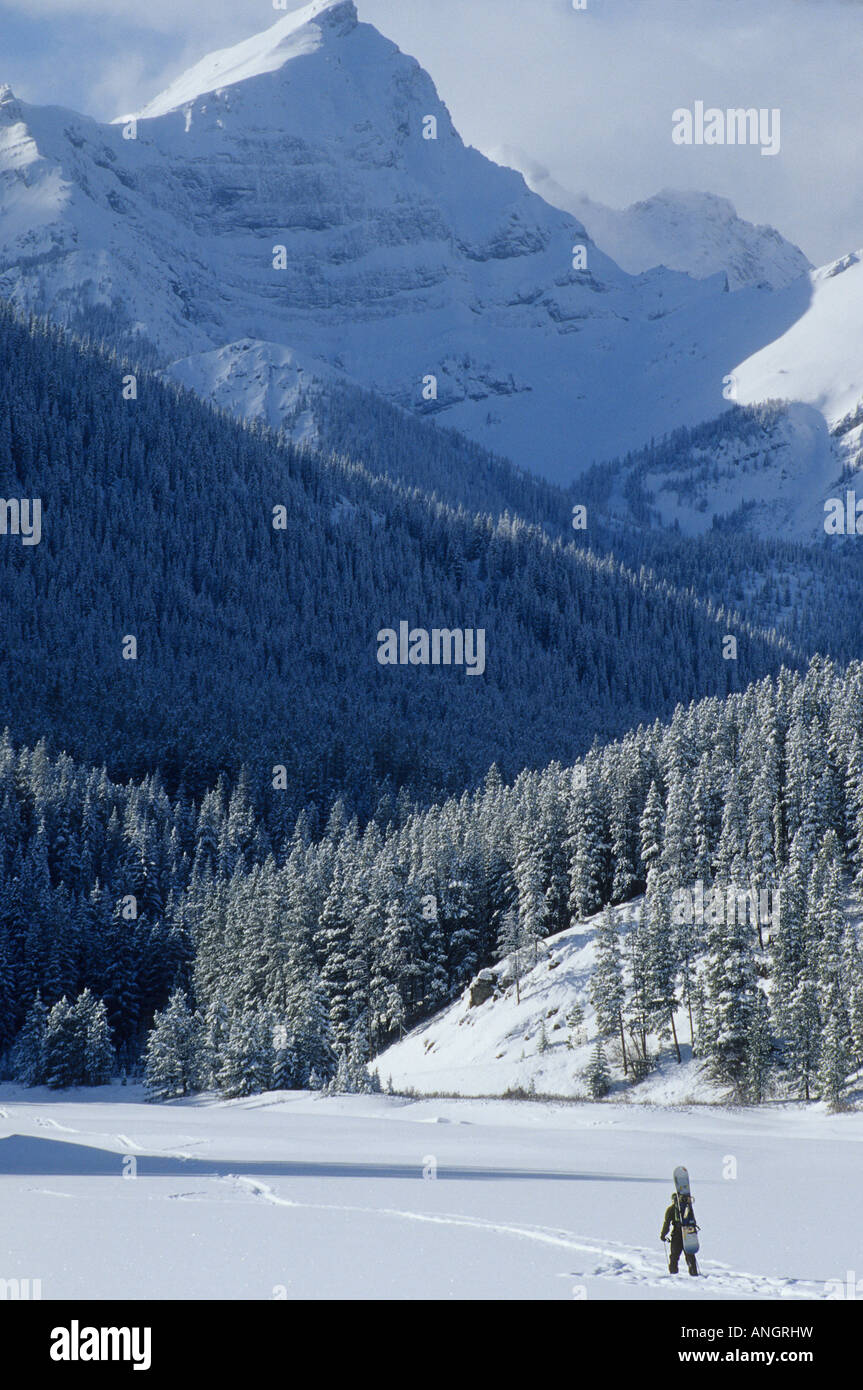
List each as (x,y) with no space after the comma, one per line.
(10,108)
(698,233)
(295,35)
(306,193)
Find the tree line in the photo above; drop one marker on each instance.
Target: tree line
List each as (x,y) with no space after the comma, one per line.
(300,957)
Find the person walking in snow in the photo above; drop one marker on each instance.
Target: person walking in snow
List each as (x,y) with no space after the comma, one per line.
(674,1223)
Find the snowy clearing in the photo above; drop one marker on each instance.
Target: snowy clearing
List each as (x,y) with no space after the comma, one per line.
(290,1195)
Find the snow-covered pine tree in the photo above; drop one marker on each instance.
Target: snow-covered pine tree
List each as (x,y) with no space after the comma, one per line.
(637,1011)
(854,971)
(650,829)
(607,990)
(215,1027)
(513,945)
(173,1051)
(531,902)
(310,1031)
(246,1066)
(833,985)
(703,821)
(286,1067)
(732,994)
(803,1033)
(28,1054)
(835,1060)
(732,836)
(333,945)
(788,945)
(623,828)
(65,1040)
(588,847)
(759,1052)
(98,1060)
(661,956)
(361,1079)
(675,861)
(598,1075)
(402,951)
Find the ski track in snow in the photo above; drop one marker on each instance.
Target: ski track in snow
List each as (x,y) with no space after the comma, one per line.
(629,1264)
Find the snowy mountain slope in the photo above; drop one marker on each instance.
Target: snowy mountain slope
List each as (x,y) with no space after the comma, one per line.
(695,232)
(404,257)
(257,381)
(497,1039)
(819,360)
(768,474)
(295,36)
(496,1047)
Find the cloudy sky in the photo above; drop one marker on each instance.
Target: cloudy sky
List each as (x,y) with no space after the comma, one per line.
(589,95)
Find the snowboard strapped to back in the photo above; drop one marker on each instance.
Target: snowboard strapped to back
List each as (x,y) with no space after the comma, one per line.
(689,1229)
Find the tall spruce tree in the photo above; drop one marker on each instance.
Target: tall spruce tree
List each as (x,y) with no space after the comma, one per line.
(173,1051)
(607,990)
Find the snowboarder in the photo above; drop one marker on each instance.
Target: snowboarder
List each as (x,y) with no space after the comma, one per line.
(674,1219)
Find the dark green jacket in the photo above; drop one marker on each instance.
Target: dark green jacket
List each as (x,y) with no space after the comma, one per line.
(672,1220)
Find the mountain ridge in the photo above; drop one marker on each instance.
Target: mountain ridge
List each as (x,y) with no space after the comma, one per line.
(299,32)
(695,232)
(303,207)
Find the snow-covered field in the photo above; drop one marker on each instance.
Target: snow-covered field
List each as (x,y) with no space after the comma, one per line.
(298,1196)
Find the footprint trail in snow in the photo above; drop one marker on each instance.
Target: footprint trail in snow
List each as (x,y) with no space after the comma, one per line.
(627,1264)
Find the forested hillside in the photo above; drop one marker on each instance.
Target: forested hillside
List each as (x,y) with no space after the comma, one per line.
(289,961)
(256,643)
(808,590)
(299,923)
(762,792)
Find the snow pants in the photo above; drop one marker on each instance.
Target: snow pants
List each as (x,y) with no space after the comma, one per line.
(676,1250)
